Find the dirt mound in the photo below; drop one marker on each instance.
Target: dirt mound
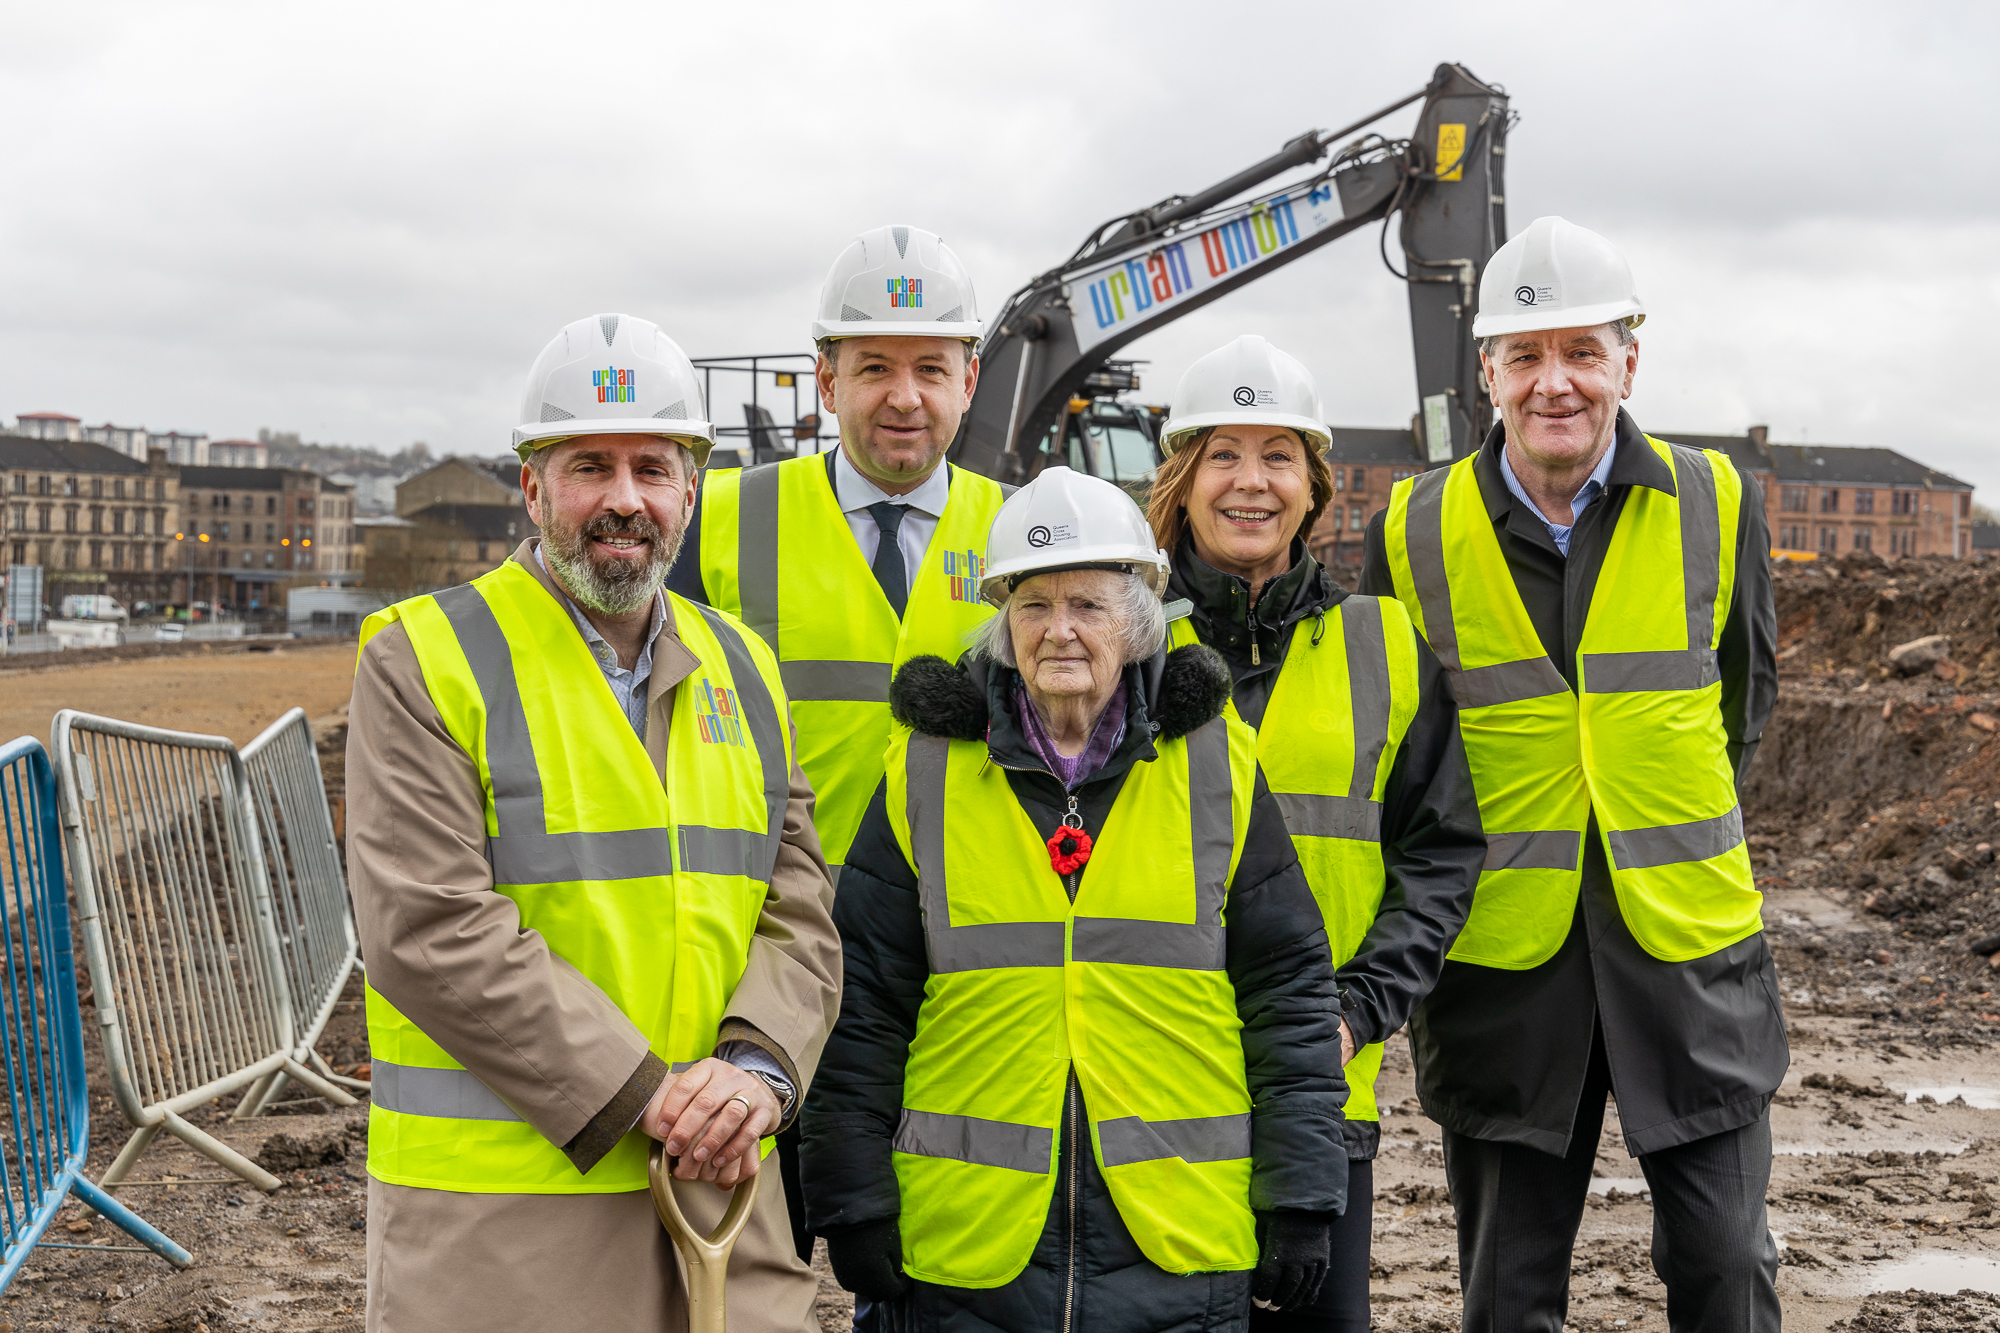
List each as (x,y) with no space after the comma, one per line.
(1875,784)
(1924,1312)
(283,1152)
(1850,612)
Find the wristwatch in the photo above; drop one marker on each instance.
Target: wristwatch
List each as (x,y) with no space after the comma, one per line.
(780,1085)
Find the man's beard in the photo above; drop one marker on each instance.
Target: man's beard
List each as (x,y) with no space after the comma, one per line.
(610,587)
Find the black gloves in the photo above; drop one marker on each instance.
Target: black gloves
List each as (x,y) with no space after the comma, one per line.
(1291,1257)
(868,1259)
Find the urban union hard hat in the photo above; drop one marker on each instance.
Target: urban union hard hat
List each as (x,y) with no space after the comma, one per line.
(613,375)
(1555,275)
(1245,383)
(1068,520)
(897,280)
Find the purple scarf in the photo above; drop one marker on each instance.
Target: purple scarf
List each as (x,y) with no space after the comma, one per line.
(1104,738)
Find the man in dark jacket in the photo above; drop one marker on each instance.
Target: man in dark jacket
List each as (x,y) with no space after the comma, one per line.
(1515,1060)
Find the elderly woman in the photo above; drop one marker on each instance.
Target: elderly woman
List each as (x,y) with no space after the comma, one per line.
(1086,1074)
(1357,730)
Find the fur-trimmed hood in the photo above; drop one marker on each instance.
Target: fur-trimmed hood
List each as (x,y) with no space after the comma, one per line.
(1167,696)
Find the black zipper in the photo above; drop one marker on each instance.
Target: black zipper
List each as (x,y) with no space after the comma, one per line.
(1069,1283)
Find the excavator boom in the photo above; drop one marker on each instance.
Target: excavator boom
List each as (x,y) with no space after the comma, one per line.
(1141,271)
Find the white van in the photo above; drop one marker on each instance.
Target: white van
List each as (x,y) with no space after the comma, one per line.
(92,606)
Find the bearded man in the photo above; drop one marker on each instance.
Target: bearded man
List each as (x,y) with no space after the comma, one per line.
(589,890)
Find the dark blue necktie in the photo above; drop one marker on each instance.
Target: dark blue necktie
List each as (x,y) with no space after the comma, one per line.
(889,569)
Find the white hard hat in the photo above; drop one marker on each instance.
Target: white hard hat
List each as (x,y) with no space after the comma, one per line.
(897,280)
(1068,520)
(1555,275)
(613,375)
(1246,383)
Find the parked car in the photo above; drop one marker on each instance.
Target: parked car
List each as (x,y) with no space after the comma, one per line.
(172,633)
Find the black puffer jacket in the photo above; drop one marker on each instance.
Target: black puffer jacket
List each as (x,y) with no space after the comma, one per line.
(1433,845)
(1087,1272)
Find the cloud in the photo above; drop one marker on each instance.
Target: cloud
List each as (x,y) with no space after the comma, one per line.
(361,223)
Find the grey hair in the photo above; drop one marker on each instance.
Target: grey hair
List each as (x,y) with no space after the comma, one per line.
(1142,616)
(1620,329)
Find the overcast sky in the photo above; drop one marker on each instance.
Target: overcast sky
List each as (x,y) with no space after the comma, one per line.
(361,222)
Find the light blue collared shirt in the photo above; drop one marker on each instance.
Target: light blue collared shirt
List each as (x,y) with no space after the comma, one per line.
(1593,486)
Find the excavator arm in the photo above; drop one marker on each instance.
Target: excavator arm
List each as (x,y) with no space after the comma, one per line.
(1139,272)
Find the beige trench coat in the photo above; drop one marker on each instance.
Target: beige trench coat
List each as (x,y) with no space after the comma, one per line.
(449,953)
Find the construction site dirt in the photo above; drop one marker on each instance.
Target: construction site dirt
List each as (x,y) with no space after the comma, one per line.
(1872,820)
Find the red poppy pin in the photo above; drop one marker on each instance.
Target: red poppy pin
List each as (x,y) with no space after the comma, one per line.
(1068,850)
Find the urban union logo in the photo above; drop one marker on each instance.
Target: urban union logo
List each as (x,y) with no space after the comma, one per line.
(718,715)
(906,293)
(615,386)
(962,571)
(1163,274)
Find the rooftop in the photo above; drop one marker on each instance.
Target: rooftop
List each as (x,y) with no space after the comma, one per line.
(257,479)
(1842,464)
(21,454)
(48,416)
(233,478)
(1368,444)
(486,523)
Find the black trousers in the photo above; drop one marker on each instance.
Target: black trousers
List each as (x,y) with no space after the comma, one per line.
(1519,1209)
(1342,1303)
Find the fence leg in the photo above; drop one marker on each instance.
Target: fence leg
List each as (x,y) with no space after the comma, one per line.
(300,1074)
(319,1063)
(215,1150)
(134,1225)
(255,1096)
(142,1137)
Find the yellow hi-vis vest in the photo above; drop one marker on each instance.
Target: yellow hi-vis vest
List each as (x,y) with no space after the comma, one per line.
(651,891)
(1126,986)
(1642,745)
(777,552)
(1337,716)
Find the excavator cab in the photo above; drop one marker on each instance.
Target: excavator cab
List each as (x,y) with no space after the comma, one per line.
(1105,433)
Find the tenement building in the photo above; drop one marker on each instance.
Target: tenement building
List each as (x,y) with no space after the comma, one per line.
(248,532)
(95,520)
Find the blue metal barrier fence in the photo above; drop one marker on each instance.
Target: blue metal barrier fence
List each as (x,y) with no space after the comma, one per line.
(45,1134)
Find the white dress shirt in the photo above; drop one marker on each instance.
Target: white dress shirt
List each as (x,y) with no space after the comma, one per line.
(926,505)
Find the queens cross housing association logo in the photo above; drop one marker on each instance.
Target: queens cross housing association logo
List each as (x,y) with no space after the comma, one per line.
(906,293)
(614,385)
(718,715)
(963,570)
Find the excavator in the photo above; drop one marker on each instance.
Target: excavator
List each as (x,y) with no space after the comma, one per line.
(1050,389)
(1050,392)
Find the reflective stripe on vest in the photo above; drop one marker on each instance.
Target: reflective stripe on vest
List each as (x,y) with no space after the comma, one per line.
(1125,987)
(651,891)
(1343,701)
(777,552)
(1642,745)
